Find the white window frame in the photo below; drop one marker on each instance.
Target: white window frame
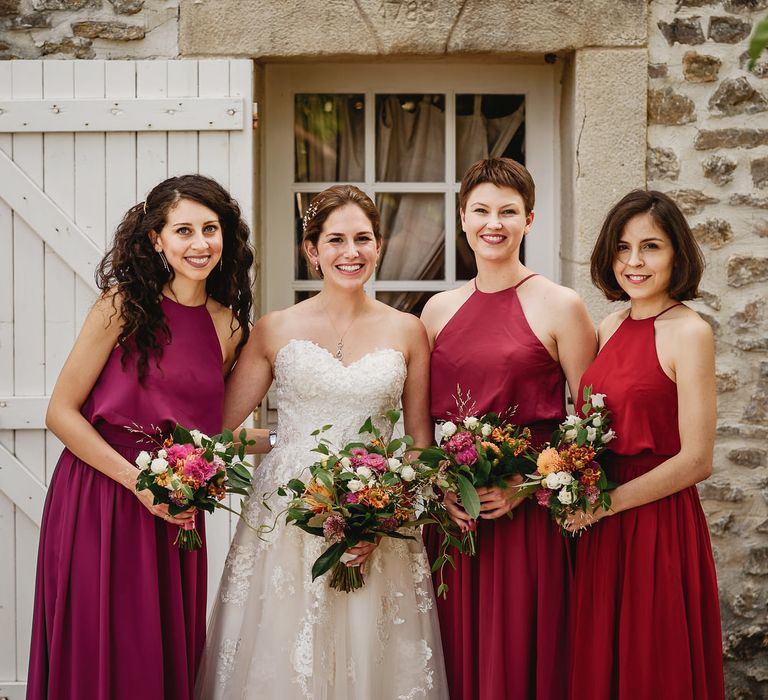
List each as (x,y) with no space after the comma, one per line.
(282,82)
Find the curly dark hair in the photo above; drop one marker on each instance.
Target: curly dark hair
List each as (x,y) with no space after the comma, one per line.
(135,272)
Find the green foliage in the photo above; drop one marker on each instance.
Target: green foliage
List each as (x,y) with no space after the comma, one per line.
(758,42)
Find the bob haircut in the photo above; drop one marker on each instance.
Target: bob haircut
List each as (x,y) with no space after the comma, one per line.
(502,172)
(688,261)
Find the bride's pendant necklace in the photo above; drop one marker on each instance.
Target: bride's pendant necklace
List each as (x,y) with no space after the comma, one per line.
(339,354)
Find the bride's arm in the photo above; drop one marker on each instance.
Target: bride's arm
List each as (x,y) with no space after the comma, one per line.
(418,422)
(248,384)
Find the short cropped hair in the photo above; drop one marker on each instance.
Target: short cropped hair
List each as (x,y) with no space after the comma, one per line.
(502,172)
(688,261)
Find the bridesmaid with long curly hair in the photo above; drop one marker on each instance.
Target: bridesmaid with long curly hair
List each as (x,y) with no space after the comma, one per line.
(119,610)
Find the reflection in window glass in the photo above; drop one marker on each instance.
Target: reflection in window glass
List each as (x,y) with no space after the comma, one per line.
(489,126)
(329,133)
(301,202)
(413,228)
(412,302)
(410,138)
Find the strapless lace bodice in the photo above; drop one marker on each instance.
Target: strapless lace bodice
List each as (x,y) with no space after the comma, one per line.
(315,389)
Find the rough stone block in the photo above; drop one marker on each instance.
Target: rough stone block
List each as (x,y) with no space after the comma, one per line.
(657,70)
(737,96)
(65,4)
(9,8)
(748,432)
(727,381)
(712,491)
(720,526)
(752,344)
(719,169)
(757,565)
(746,269)
(759,169)
(682,30)
(748,318)
(662,164)
(748,200)
(728,30)
(707,139)
(700,68)
(749,642)
(744,5)
(127,7)
(756,410)
(70,46)
(746,603)
(691,201)
(751,457)
(710,299)
(759,70)
(760,228)
(115,31)
(36,20)
(666,106)
(713,232)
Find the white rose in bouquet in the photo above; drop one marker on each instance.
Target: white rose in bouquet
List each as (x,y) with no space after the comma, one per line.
(591,433)
(346,464)
(143,460)
(197,437)
(607,437)
(597,421)
(471,422)
(364,472)
(487,429)
(408,473)
(597,400)
(158,465)
(552,481)
(565,497)
(394,464)
(447,429)
(355,485)
(564,478)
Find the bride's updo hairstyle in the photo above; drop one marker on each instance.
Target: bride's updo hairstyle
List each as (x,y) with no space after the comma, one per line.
(502,172)
(327,201)
(688,261)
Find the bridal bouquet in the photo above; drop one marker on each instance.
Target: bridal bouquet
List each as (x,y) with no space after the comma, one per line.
(192,470)
(476,451)
(568,479)
(356,494)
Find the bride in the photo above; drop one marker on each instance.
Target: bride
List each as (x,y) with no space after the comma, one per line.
(335,358)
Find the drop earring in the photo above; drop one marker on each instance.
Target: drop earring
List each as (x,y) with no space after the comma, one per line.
(164,260)
(221,264)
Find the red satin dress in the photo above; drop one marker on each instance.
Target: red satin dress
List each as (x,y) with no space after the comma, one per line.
(646,616)
(503,624)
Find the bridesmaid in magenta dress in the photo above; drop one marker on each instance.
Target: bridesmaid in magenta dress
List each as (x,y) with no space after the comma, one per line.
(646,617)
(119,610)
(512,339)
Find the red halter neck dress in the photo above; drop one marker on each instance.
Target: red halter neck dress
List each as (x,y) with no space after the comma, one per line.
(646,617)
(503,622)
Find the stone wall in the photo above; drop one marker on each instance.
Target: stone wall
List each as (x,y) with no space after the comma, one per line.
(89,29)
(708,147)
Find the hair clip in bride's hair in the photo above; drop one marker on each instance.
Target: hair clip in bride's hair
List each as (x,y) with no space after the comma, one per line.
(310,213)
(144,206)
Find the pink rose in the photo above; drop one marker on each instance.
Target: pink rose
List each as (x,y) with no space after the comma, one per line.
(177,452)
(467,456)
(352,497)
(358,456)
(376,462)
(460,441)
(542,497)
(592,492)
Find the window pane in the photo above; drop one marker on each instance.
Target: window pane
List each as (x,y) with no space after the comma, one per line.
(410,138)
(301,202)
(329,133)
(489,126)
(412,302)
(413,227)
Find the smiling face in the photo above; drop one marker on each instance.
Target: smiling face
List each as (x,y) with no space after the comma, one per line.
(495,221)
(191,240)
(346,248)
(644,259)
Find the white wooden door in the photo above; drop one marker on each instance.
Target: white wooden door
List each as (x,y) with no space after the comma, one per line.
(80,143)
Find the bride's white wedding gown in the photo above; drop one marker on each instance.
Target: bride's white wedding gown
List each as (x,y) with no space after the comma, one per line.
(277,635)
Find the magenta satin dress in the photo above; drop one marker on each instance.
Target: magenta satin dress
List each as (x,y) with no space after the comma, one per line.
(504,622)
(646,614)
(119,610)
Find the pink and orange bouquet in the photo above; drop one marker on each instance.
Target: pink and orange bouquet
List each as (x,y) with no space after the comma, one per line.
(192,470)
(473,452)
(358,493)
(568,477)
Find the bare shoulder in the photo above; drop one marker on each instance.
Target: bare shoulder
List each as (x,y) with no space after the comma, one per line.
(555,296)
(685,325)
(442,306)
(108,307)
